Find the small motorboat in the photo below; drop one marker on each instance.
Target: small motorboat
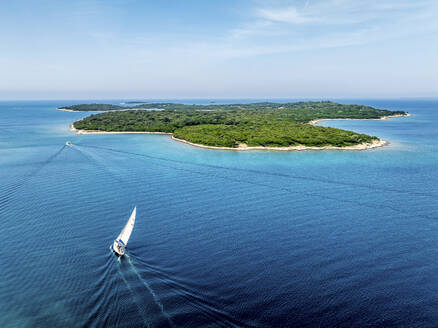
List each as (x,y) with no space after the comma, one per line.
(68,143)
(121,241)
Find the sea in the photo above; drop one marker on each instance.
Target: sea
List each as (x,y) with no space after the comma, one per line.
(222,238)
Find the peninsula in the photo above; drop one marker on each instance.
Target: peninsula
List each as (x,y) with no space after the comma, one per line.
(267,125)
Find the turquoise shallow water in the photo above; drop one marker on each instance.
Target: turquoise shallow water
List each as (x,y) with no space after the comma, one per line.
(305,239)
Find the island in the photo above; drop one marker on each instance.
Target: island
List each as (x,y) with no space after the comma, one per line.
(266,125)
(135,102)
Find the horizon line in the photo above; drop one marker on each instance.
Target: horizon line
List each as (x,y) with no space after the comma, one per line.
(228,98)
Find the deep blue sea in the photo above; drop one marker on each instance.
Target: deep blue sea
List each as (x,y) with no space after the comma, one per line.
(222,239)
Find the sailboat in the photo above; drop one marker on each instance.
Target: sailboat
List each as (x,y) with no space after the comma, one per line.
(121,241)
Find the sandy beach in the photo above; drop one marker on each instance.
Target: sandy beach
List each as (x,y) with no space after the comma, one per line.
(66,110)
(113,132)
(244,147)
(101,111)
(358,119)
(82,111)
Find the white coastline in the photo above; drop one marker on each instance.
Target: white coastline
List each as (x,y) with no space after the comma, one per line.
(314,122)
(243,147)
(82,111)
(65,110)
(113,132)
(105,111)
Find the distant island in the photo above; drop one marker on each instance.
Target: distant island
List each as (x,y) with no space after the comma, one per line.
(134,102)
(266,125)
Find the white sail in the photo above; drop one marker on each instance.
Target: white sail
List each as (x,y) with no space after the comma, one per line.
(127,229)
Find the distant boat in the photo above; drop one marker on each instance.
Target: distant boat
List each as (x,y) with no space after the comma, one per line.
(121,241)
(68,143)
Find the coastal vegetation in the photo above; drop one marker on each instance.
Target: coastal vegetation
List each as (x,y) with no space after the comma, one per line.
(304,108)
(278,134)
(257,124)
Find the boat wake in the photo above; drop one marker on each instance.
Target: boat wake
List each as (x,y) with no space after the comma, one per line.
(190,167)
(131,286)
(98,162)
(120,291)
(187,302)
(271,173)
(102,303)
(148,305)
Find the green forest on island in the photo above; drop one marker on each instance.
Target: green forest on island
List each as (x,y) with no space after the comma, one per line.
(258,124)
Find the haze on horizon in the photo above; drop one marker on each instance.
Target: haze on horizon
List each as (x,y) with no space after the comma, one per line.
(218,49)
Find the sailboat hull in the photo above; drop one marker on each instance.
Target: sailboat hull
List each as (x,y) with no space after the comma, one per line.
(117,250)
(118,254)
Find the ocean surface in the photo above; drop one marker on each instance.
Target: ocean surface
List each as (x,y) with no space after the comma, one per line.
(222,239)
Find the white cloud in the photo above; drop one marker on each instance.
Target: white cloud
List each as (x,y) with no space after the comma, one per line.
(329,24)
(339,12)
(285,15)
(257,27)
(316,25)
(275,47)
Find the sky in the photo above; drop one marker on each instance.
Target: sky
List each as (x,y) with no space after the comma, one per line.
(167,49)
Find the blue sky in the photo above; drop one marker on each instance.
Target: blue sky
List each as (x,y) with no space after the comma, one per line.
(218,49)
